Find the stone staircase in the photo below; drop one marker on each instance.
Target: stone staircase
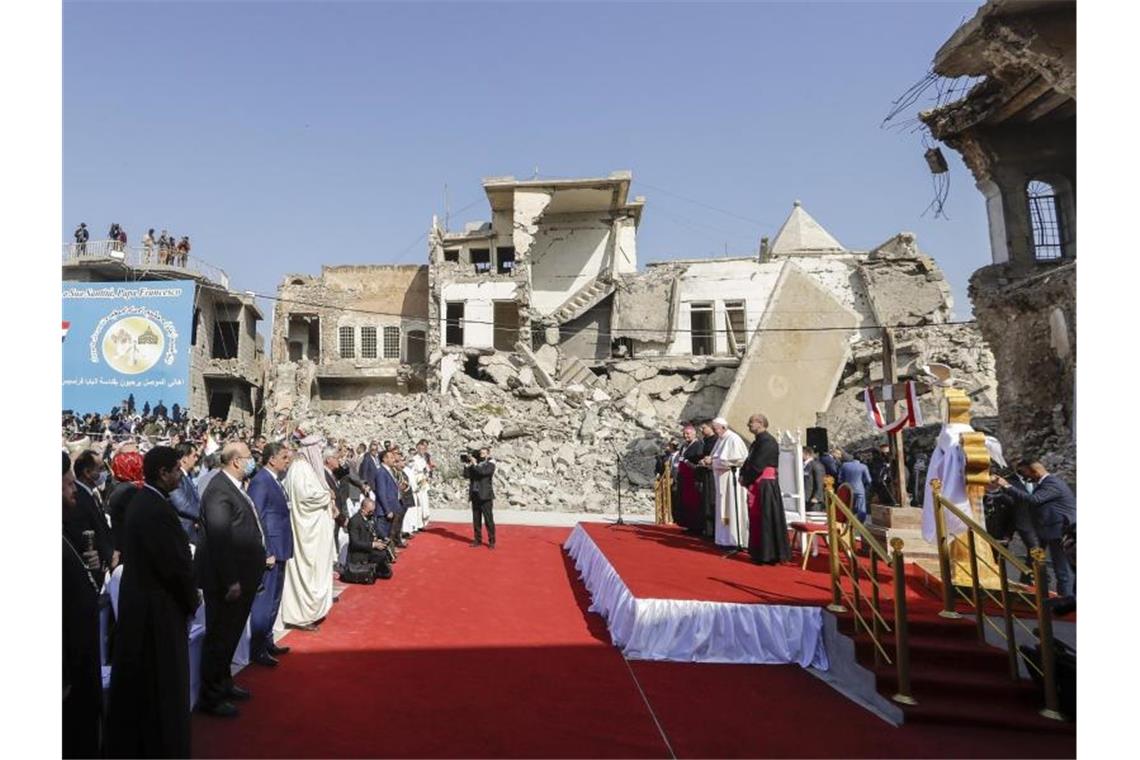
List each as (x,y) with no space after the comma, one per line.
(575,371)
(586,298)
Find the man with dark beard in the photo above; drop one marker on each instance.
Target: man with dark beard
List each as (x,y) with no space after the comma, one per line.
(149,707)
(767,529)
(82,675)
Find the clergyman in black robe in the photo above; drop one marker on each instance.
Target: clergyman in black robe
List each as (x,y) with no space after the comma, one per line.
(691,510)
(82,671)
(708,483)
(149,707)
(767,529)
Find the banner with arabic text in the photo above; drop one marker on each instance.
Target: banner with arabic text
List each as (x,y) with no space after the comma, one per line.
(126,338)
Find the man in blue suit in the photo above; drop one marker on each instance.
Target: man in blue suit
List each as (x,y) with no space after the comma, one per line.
(185,497)
(370,464)
(272,504)
(386,492)
(1053,508)
(858,478)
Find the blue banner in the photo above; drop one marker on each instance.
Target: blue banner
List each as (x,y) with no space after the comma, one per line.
(126,338)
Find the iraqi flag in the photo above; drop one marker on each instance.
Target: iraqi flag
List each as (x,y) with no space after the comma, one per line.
(66,327)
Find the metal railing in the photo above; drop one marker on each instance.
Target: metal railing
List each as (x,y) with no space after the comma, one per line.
(841,545)
(143,258)
(979,594)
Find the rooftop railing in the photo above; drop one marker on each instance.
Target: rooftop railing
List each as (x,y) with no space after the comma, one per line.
(145,258)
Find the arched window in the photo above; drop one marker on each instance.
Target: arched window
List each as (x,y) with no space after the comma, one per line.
(1046,221)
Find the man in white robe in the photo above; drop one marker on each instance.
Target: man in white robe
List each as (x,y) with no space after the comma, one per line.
(419,471)
(308,593)
(731,497)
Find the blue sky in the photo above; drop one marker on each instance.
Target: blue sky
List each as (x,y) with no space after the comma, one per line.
(280,136)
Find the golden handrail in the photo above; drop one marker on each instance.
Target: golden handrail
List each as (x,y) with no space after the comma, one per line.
(836,544)
(1044,614)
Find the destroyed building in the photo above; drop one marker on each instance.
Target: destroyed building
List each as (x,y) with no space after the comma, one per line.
(1016,131)
(227,355)
(352,332)
(544,339)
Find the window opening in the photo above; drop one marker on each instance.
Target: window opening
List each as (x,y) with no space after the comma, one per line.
(391,342)
(481,258)
(1045,218)
(347,343)
(367,342)
(451,254)
(226,339)
(736,324)
(505,259)
(701,325)
(454,317)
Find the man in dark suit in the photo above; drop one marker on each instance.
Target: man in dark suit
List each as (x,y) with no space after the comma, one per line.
(149,706)
(272,505)
(370,464)
(386,491)
(481,490)
(1053,508)
(332,474)
(364,548)
(814,473)
(185,497)
(88,516)
(230,562)
(82,676)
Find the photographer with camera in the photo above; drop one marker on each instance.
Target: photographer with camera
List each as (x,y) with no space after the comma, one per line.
(479,471)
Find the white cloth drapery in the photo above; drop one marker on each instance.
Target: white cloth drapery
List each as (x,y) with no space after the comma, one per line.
(948,464)
(308,593)
(419,474)
(683,630)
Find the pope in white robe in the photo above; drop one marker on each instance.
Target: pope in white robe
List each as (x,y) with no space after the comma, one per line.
(308,593)
(731,497)
(419,474)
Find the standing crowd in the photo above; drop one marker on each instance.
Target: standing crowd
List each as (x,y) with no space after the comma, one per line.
(249,529)
(165,249)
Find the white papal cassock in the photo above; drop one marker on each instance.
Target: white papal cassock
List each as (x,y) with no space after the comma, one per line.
(730,452)
(308,593)
(418,473)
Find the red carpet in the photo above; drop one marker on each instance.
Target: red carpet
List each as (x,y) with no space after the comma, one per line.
(474,653)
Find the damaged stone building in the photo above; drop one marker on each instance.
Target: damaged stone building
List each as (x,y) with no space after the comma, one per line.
(1016,131)
(227,356)
(541,335)
(352,332)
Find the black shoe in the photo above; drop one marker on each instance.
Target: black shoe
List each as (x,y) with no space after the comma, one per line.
(265,659)
(490,544)
(405,536)
(277,651)
(473,544)
(219,710)
(238,693)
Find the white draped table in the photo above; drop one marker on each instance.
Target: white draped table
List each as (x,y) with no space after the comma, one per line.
(689,630)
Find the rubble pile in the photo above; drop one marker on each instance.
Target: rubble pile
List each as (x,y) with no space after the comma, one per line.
(558,448)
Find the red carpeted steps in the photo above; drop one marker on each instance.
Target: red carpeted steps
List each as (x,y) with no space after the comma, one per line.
(956,679)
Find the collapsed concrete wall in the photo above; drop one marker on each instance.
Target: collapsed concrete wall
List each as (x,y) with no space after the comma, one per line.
(1031,324)
(795,358)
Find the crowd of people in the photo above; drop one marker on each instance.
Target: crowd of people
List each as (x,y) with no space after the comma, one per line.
(1032,508)
(165,249)
(715,486)
(203,513)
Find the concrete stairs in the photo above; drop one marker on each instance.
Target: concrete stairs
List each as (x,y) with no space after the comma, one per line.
(586,298)
(575,371)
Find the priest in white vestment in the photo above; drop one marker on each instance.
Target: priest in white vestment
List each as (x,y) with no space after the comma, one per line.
(308,593)
(419,471)
(731,498)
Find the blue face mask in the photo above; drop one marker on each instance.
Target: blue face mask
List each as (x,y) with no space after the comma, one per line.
(102,479)
(249,468)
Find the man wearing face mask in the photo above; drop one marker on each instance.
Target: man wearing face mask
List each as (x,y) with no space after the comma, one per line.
(149,705)
(98,545)
(230,561)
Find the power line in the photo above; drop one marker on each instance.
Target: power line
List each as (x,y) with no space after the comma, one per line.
(627,331)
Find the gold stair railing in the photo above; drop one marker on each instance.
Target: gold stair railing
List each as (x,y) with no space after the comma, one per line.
(979,593)
(841,545)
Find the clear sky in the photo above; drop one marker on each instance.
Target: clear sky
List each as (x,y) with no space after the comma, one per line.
(283,136)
